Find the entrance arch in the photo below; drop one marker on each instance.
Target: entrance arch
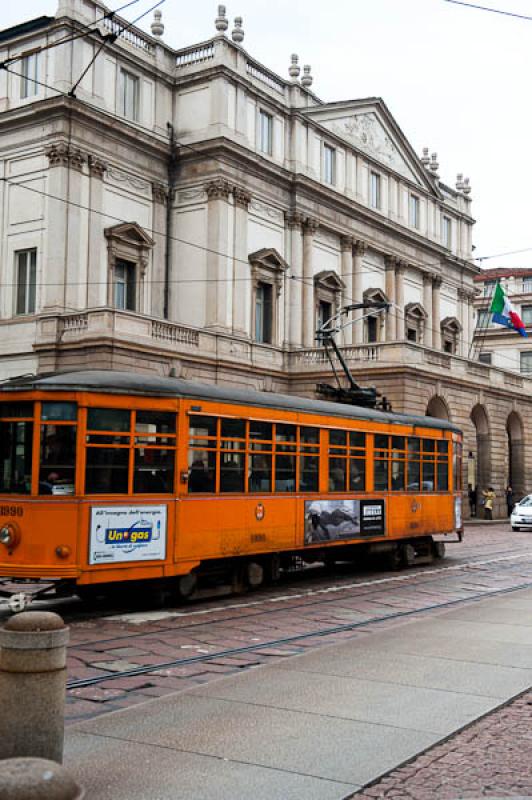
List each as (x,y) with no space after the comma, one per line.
(516,454)
(479,418)
(437,407)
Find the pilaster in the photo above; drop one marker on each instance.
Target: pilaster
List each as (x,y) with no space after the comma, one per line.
(294,221)
(242,289)
(358,253)
(390,288)
(436,314)
(219,260)
(427,305)
(346,244)
(310,227)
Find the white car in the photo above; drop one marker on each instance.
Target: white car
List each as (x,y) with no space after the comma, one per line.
(521,516)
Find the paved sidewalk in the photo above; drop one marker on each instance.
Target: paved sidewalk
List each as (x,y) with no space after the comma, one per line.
(320,725)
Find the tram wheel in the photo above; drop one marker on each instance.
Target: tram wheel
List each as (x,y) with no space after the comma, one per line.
(408,555)
(254,574)
(185,586)
(394,559)
(438,549)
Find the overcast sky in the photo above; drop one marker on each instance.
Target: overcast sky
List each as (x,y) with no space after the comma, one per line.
(456,79)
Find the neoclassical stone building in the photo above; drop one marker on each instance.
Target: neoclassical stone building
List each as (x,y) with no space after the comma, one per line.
(191,212)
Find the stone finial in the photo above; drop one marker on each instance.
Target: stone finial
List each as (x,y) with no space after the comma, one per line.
(237,34)
(294,69)
(157,27)
(434,166)
(221,22)
(307,78)
(459,182)
(425,160)
(467,186)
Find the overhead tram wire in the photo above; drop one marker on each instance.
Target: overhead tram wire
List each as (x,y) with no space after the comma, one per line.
(488,8)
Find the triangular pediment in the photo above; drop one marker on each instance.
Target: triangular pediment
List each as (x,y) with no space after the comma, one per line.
(368,126)
(328,279)
(130,232)
(451,324)
(415,310)
(269,258)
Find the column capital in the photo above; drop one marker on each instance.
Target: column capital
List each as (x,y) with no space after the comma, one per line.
(391,262)
(242,197)
(310,226)
(96,166)
(346,243)
(159,193)
(360,247)
(62,154)
(218,189)
(294,219)
(436,281)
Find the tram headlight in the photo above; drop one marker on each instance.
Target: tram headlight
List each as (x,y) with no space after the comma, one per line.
(9,535)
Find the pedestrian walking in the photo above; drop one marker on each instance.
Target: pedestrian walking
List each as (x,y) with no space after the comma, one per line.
(489,497)
(509,499)
(472,495)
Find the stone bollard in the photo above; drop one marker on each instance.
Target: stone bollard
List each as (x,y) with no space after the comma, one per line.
(32,685)
(36,779)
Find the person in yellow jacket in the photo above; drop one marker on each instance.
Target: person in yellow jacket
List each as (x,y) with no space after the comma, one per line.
(489,497)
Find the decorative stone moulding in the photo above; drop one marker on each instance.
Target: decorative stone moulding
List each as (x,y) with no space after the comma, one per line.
(218,188)
(221,22)
(307,78)
(294,69)
(64,155)
(425,159)
(467,186)
(157,27)
(242,197)
(460,182)
(159,193)
(294,219)
(237,34)
(96,167)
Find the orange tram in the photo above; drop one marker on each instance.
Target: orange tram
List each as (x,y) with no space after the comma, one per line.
(110,479)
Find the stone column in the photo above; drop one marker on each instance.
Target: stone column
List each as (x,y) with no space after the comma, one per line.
(463,345)
(436,317)
(242,287)
(358,326)
(156,304)
(471,321)
(427,305)
(400,301)
(219,262)
(392,314)
(309,322)
(294,221)
(97,254)
(346,244)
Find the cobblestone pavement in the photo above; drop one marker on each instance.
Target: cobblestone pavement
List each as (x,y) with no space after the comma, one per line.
(109,648)
(491,758)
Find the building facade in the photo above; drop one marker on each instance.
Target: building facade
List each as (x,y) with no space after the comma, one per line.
(192,213)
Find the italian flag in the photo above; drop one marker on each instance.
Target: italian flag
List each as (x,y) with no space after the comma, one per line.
(504,313)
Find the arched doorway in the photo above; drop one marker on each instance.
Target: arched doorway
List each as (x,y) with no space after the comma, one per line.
(437,407)
(516,454)
(480,420)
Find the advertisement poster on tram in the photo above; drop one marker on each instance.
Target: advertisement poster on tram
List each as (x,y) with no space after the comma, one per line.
(127,533)
(331,520)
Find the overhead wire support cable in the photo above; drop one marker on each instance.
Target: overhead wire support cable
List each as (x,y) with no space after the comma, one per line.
(488,8)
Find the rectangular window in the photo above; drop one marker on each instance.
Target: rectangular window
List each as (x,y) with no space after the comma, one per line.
(107,452)
(484,358)
(16,440)
(483,318)
(329,164)
(526,362)
(129,95)
(446,231)
(26,272)
(347,465)
(155,441)
(266,133)
(324,312)
(375,189)
(372,329)
(263,313)
(489,288)
(527,285)
(414,211)
(411,334)
(124,275)
(29,75)
(526,315)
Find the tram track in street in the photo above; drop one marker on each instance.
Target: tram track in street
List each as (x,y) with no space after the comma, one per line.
(287,640)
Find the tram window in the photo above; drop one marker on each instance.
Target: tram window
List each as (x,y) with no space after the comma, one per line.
(260,435)
(154,424)
(357,440)
(202,471)
(285,473)
(108,419)
(233,429)
(309,439)
(357,474)
(457,466)
(443,476)
(203,428)
(16,439)
(309,467)
(428,476)
(414,445)
(337,439)
(381,475)
(107,470)
(285,438)
(337,474)
(154,470)
(443,447)
(429,445)
(398,476)
(381,442)
(16,410)
(232,472)
(414,476)
(59,412)
(398,442)
(260,477)
(57,470)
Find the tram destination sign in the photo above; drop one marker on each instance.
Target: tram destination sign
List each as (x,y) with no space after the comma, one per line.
(127,533)
(331,520)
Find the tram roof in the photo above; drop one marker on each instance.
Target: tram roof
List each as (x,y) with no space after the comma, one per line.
(120,382)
